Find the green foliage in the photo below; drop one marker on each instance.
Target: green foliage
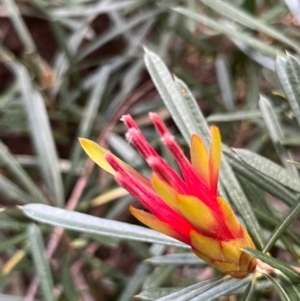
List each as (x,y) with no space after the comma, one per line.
(73,68)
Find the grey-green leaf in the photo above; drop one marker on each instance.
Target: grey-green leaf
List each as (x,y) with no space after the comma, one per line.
(268,168)
(192,291)
(279,289)
(230,31)
(41,135)
(13,192)
(276,133)
(281,227)
(21,176)
(288,71)
(194,114)
(170,94)
(176,259)
(225,288)
(155,293)
(225,82)
(239,199)
(238,116)
(41,263)
(239,15)
(89,224)
(275,263)
(293,291)
(260,180)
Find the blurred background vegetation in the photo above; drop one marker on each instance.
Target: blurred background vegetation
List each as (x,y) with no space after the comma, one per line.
(73,68)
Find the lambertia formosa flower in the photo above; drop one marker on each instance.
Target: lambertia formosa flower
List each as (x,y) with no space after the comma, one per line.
(186,207)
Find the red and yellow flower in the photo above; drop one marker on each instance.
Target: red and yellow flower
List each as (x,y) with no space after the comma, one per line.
(186,207)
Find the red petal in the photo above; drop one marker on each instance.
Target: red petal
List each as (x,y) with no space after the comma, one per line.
(159,166)
(148,198)
(197,186)
(166,173)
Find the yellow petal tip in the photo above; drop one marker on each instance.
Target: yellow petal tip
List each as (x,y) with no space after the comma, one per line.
(96,153)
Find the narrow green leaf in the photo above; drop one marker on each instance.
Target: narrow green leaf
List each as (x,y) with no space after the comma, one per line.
(288,246)
(140,275)
(279,289)
(169,92)
(159,276)
(9,243)
(194,114)
(268,169)
(276,133)
(192,291)
(41,263)
(94,101)
(8,223)
(135,282)
(66,279)
(287,69)
(292,69)
(239,199)
(248,293)
(256,196)
(89,224)
(293,291)
(139,248)
(275,263)
(254,75)
(102,266)
(234,116)
(178,99)
(239,15)
(282,226)
(237,116)
(20,26)
(166,35)
(230,32)
(42,137)
(92,9)
(265,183)
(65,60)
(129,83)
(88,118)
(225,82)
(256,56)
(114,32)
(119,207)
(176,259)
(13,192)
(155,293)
(272,13)
(225,288)
(21,176)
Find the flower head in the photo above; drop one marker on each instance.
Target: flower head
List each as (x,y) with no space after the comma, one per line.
(186,207)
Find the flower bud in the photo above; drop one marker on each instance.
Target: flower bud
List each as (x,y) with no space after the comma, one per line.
(186,207)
